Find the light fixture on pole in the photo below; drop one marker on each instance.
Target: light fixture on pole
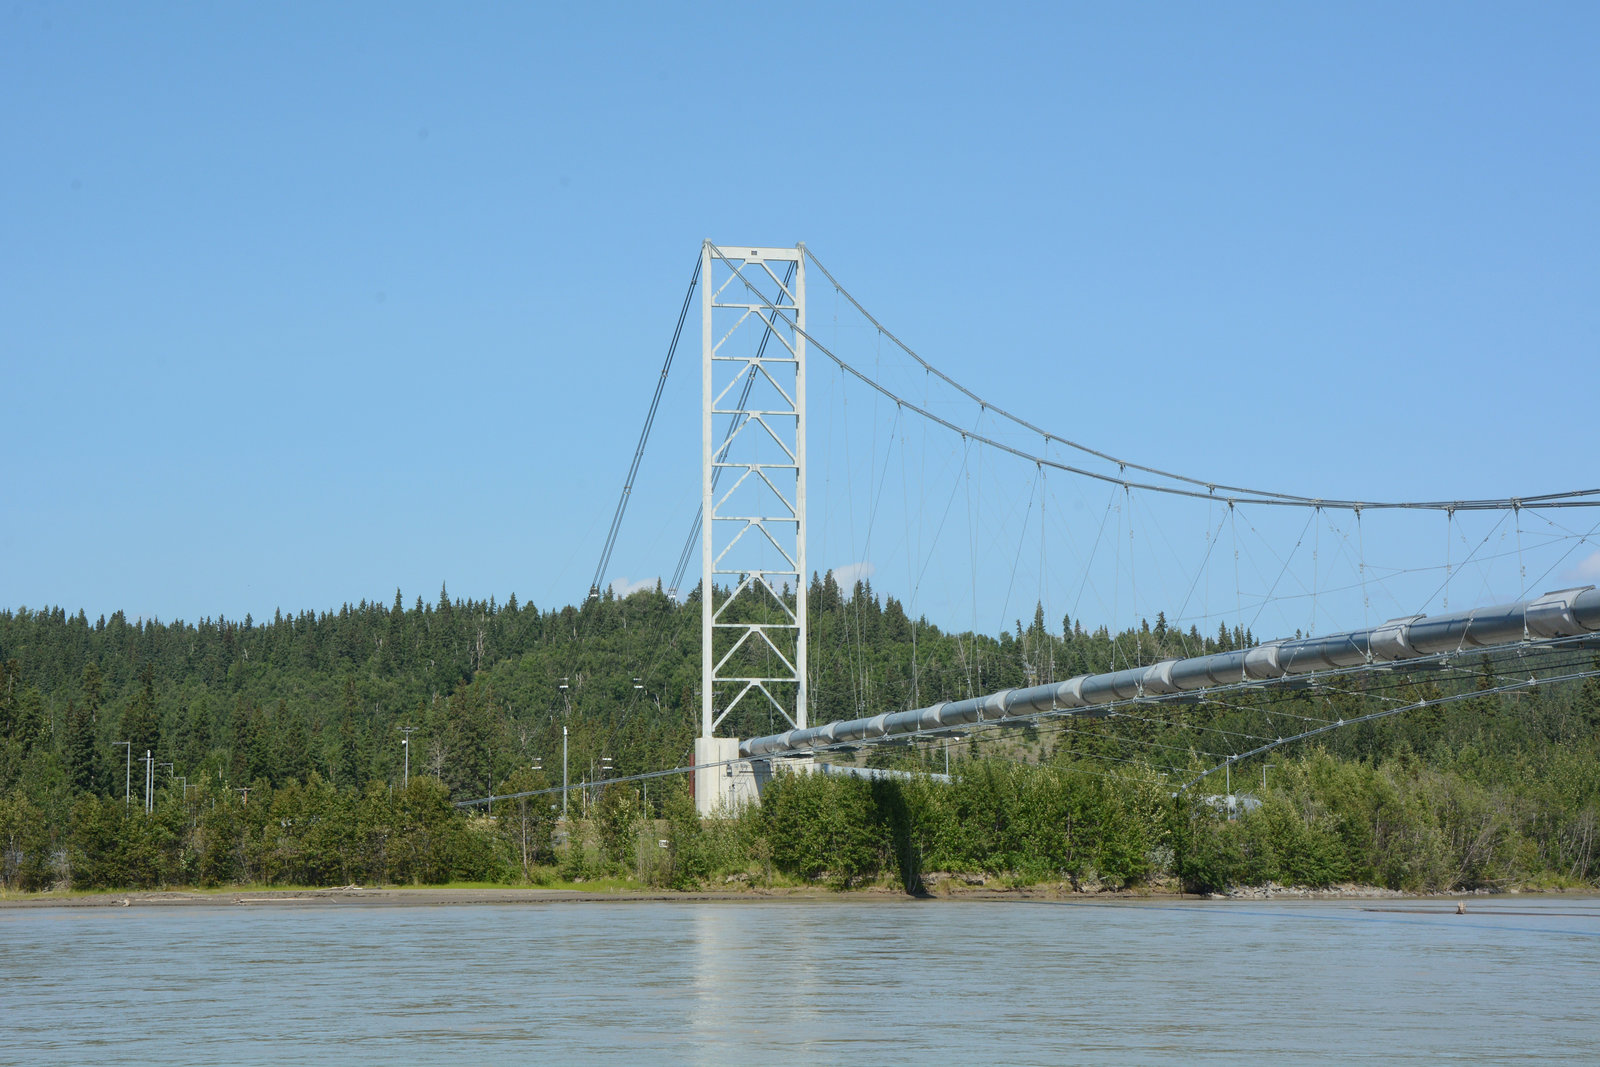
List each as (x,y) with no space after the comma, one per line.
(566,703)
(405,743)
(605,773)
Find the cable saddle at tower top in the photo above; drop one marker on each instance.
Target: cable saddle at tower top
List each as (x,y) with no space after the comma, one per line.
(1560,614)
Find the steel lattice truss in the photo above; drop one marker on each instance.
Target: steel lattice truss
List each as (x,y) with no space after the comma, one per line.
(753,486)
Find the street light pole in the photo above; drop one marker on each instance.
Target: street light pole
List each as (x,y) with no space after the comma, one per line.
(405,743)
(566,703)
(149,777)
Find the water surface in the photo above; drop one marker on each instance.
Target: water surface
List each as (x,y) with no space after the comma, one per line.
(804,981)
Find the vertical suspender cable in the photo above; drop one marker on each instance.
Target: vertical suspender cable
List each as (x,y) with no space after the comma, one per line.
(1522,568)
(1449,521)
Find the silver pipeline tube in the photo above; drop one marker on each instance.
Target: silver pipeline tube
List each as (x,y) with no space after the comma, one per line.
(1562,613)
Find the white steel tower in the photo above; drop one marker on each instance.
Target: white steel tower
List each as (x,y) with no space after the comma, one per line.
(753,497)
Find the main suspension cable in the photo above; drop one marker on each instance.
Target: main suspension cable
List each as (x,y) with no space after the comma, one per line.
(1210,489)
(644,437)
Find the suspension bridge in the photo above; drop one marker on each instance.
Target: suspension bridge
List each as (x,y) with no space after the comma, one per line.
(750,534)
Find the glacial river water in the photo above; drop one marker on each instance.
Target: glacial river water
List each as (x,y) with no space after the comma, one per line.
(1515,980)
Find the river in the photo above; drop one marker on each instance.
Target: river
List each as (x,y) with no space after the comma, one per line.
(751,982)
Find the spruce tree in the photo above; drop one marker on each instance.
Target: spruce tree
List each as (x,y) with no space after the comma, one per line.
(141,723)
(79,749)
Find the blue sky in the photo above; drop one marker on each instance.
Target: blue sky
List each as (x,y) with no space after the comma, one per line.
(302,303)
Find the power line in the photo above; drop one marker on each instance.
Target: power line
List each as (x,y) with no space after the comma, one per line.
(1509,687)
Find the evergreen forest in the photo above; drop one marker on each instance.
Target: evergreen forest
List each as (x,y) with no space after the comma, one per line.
(335,748)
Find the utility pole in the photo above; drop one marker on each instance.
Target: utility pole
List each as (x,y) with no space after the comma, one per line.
(405,743)
(566,703)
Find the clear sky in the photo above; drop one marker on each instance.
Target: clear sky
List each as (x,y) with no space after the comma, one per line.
(301,303)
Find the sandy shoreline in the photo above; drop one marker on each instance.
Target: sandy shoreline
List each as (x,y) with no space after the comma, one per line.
(425,896)
(420,896)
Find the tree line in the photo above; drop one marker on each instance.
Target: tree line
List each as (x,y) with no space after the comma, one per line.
(279,756)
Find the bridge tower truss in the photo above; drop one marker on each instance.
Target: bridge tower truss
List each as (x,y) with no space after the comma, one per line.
(753,497)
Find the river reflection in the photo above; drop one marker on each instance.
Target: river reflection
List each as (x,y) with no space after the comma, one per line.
(804,981)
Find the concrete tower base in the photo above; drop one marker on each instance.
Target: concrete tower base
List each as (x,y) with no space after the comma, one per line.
(730,783)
